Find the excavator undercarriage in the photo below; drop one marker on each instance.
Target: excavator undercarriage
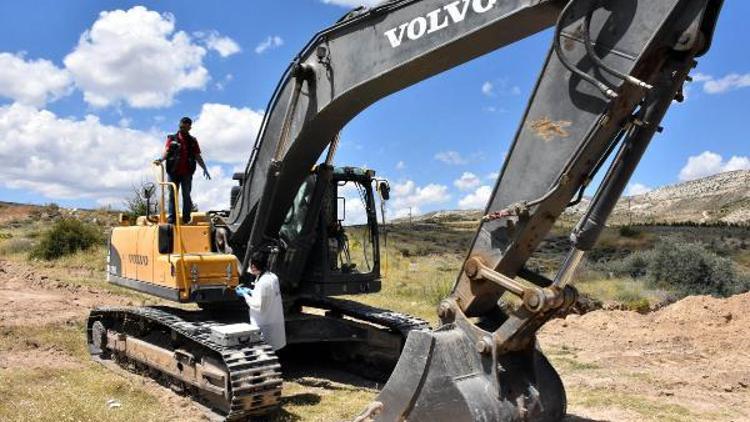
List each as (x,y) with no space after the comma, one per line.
(181,349)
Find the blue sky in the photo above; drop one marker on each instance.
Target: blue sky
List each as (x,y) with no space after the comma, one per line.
(88,90)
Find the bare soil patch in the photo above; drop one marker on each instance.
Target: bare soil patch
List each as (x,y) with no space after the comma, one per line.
(687,361)
(29,298)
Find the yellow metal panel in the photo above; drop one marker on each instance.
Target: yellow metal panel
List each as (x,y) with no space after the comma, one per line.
(195,239)
(125,241)
(212,269)
(138,247)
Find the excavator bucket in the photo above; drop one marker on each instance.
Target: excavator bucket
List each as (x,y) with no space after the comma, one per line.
(441,377)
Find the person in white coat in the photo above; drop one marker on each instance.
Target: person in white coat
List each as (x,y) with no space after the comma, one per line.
(264,302)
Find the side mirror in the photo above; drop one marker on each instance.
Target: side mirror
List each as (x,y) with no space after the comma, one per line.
(148,190)
(341,209)
(384,189)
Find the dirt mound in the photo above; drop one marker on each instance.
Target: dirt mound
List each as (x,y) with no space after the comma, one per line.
(691,355)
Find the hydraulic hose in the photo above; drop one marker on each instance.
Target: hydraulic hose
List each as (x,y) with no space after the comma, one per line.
(606,90)
(599,62)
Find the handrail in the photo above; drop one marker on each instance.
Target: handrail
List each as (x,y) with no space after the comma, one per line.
(177,223)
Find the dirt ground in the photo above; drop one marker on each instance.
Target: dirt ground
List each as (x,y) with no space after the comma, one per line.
(688,361)
(30,301)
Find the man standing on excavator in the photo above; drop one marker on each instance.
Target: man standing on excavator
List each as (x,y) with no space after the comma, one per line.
(181,154)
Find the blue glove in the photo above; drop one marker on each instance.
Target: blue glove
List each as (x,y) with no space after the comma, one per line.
(241,291)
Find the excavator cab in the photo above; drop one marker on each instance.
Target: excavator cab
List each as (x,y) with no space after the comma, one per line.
(332,224)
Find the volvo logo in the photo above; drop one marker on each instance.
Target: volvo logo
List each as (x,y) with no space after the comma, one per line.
(138,259)
(436,20)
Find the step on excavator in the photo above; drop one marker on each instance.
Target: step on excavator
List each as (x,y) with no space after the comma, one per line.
(613,70)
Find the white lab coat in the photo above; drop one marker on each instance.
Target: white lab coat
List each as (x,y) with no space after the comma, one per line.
(267,311)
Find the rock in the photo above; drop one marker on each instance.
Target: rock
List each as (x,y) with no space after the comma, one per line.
(666,393)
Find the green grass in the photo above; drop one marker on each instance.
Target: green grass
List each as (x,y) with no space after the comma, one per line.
(566,358)
(313,399)
(635,294)
(415,284)
(69,338)
(647,409)
(73,395)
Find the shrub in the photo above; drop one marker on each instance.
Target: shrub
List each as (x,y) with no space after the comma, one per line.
(688,268)
(691,268)
(634,265)
(629,231)
(66,236)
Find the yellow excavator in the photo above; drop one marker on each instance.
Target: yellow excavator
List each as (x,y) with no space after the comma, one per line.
(613,70)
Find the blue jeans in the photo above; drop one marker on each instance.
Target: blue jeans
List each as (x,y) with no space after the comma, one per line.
(184,184)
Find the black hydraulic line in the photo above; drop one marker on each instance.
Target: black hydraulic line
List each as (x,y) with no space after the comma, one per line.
(597,167)
(599,62)
(639,135)
(606,90)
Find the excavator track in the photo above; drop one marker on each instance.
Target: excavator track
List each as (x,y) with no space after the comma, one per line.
(237,382)
(402,323)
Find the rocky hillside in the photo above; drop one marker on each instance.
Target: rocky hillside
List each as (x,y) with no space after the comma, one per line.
(724,197)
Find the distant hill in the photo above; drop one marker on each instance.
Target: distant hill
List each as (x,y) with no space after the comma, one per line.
(724,197)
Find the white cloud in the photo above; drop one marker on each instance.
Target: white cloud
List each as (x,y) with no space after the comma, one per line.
(62,158)
(353,3)
(70,159)
(220,85)
(727,83)
(637,189)
(136,56)
(492,176)
(451,157)
(355,209)
(488,89)
(737,163)
(701,77)
(730,82)
(273,41)
(408,195)
(226,134)
(223,45)
(709,163)
(477,199)
(125,122)
(467,181)
(212,194)
(32,82)
(400,165)
(499,87)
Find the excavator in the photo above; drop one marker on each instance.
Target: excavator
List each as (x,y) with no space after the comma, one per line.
(612,71)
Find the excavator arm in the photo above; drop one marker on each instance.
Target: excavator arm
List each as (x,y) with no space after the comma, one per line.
(368,55)
(613,70)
